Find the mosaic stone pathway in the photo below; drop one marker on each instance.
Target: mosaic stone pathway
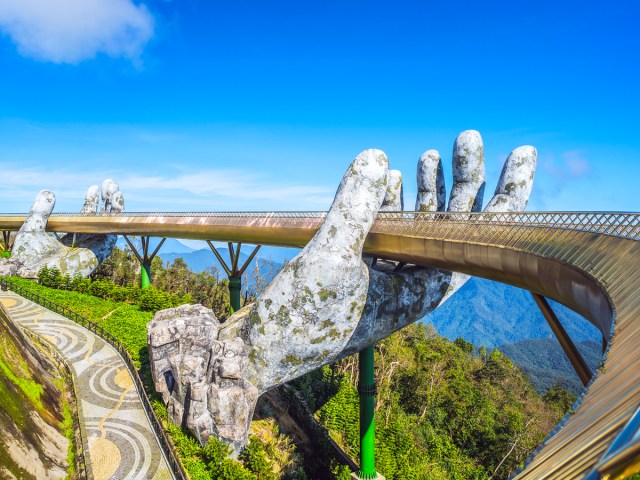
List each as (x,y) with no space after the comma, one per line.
(118,436)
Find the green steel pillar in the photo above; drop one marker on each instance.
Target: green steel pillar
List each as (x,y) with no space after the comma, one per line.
(144,258)
(367,390)
(235,286)
(145,275)
(6,239)
(234,271)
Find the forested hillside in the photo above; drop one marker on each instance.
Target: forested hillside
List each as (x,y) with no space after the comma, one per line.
(444,409)
(544,361)
(494,314)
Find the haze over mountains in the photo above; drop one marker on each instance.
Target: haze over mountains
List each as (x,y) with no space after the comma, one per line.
(483,312)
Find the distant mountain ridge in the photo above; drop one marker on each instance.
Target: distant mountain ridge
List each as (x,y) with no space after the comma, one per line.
(170,245)
(494,314)
(498,315)
(545,362)
(199,260)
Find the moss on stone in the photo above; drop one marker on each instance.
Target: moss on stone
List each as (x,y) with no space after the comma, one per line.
(292,360)
(325,294)
(327,324)
(334,334)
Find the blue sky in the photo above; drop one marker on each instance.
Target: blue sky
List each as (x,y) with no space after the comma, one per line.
(247,105)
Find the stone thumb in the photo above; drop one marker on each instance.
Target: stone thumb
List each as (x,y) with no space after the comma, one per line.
(39,214)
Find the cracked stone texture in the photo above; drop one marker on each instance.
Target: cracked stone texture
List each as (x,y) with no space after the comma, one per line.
(34,248)
(200,377)
(327,302)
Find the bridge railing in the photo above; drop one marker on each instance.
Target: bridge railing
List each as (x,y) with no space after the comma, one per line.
(626,225)
(622,224)
(174,464)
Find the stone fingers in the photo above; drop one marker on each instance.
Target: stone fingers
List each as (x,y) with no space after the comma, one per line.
(308,313)
(109,190)
(91,201)
(94,249)
(38,215)
(117,202)
(431,190)
(516,181)
(393,199)
(511,195)
(468,173)
(33,244)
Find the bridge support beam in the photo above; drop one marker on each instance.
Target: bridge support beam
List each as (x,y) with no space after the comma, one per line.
(144,258)
(233,271)
(367,391)
(581,367)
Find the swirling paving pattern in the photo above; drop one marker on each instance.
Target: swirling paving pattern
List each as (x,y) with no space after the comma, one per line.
(118,436)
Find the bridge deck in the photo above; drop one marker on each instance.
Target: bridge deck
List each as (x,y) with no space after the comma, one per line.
(588,262)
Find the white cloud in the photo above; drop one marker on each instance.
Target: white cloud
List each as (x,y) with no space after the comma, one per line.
(69,31)
(175,191)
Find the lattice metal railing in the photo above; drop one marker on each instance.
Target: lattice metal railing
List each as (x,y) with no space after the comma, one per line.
(620,224)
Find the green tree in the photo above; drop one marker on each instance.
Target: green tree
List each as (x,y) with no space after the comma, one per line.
(560,398)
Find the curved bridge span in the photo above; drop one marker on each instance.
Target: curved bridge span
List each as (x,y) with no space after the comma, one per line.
(589,262)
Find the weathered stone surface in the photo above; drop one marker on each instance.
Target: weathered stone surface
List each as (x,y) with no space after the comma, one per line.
(516,181)
(468,173)
(431,190)
(326,303)
(394,198)
(91,201)
(201,379)
(307,314)
(81,254)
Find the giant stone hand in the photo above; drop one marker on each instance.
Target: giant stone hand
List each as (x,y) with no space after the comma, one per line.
(78,254)
(328,302)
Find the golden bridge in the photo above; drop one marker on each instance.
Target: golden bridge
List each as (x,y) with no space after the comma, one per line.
(589,262)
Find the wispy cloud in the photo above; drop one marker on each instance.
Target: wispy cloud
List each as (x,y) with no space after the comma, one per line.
(572,165)
(562,179)
(576,164)
(205,190)
(69,31)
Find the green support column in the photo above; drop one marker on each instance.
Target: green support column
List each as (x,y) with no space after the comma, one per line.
(145,275)
(235,286)
(234,271)
(144,258)
(367,390)
(6,239)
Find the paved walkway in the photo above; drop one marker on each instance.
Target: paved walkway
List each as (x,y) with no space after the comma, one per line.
(121,444)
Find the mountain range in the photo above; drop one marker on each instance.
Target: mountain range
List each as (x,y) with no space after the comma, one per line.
(494,314)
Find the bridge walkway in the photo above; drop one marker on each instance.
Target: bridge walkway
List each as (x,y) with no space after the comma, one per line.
(115,429)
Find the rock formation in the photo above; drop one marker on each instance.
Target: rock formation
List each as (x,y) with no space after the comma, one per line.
(327,302)
(81,254)
(201,378)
